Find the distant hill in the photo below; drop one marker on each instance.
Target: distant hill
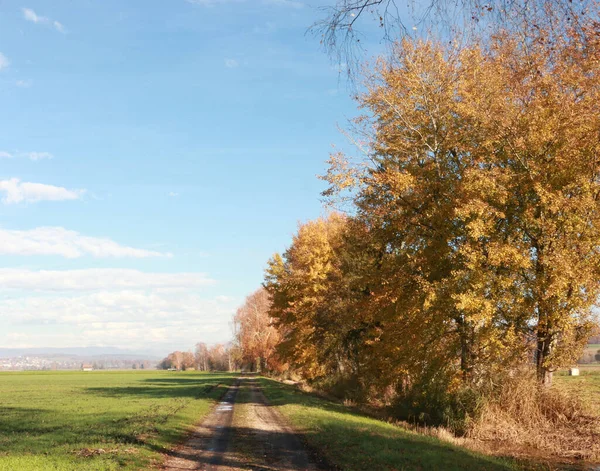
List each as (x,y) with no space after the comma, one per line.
(84,352)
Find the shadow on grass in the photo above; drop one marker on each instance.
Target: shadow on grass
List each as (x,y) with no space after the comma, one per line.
(353,441)
(173,388)
(33,430)
(341,436)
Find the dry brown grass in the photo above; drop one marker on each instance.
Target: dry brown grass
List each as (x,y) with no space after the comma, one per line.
(524,416)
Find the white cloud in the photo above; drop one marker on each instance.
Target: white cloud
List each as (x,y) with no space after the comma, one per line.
(66,243)
(284,3)
(24,83)
(267,28)
(59,27)
(37,155)
(212,3)
(32,16)
(26,155)
(231,63)
(4,62)
(173,194)
(131,318)
(92,279)
(16,191)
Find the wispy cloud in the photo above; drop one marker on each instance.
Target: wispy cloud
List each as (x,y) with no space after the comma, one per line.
(70,244)
(136,318)
(173,194)
(231,63)
(59,27)
(211,3)
(26,155)
(24,83)
(37,155)
(16,191)
(4,62)
(284,3)
(267,28)
(32,16)
(110,306)
(92,279)
(281,3)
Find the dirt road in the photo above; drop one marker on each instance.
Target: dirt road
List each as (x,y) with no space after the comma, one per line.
(242,433)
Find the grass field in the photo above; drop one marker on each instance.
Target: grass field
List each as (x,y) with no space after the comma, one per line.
(354,442)
(586,386)
(99,420)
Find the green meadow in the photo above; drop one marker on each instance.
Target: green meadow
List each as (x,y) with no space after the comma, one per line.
(99,420)
(127,420)
(586,385)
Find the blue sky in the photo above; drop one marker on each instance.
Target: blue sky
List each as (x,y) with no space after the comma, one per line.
(153,155)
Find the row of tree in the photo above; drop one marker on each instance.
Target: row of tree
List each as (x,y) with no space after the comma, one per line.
(219,357)
(469,245)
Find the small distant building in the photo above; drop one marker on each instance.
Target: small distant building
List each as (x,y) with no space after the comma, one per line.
(87,367)
(573,371)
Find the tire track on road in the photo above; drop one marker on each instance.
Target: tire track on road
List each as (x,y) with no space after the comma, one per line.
(243,433)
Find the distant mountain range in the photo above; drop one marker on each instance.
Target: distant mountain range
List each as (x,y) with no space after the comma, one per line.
(84,352)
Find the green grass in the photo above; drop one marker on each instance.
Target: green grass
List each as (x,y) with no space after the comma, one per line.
(586,386)
(352,441)
(99,420)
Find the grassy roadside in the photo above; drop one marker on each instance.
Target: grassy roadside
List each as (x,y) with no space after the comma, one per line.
(100,421)
(353,442)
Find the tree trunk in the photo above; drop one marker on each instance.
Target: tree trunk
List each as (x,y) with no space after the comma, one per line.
(544,348)
(466,348)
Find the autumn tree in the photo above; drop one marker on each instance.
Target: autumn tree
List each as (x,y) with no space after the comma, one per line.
(218,358)
(482,185)
(347,24)
(201,357)
(256,334)
(312,300)
(187,360)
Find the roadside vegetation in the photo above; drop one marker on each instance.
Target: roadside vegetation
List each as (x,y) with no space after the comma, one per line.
(99,420)
(353,442)
(458,271)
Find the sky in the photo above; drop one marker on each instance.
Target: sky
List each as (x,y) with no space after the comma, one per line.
(154,154)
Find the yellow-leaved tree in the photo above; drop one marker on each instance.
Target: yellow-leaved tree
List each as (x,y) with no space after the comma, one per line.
(482,191)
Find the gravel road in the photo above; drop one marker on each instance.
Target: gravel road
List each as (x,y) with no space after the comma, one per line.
(243,433)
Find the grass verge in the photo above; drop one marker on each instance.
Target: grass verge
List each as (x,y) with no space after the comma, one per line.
(350,441)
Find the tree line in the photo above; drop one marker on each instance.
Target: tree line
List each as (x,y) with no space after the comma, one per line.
(218,357)
(465,249)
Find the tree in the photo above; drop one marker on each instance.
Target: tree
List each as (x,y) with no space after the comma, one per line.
(201,357)
(343,28)
(187,361)
(256,334)
(302,285)
(482,187)
(218,358)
